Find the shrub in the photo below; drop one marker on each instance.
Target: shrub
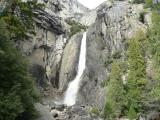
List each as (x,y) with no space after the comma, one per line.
(95,111)
(108,62)
(116,55)
(75,27)
(105,83)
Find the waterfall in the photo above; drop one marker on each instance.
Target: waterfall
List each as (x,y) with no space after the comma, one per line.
(71,93)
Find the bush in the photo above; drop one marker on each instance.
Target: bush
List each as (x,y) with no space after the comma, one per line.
(95,111)
(108,62)
(104,83)
(75,27)
(116,55)
(108,112)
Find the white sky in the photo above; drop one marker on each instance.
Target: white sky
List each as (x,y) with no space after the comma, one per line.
(91,3)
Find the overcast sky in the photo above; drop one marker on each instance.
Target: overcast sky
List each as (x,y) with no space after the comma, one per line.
(91,3)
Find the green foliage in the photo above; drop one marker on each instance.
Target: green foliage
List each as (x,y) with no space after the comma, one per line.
(115,95)
(124,67)
(108,61)
(155,90)
(19,18)
(95,111)
(138,93)
(154,48)
(117,55)
(137,77)
(148,3)
(154,5)
(154,37)
(11,105)
(108,112)
(127,100)
(17,89)
(75,27)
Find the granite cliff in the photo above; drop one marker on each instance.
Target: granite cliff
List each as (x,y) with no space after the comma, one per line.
(54,54)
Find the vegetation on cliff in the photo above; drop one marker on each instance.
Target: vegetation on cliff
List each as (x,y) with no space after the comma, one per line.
(142,89)
(75,27)
(125,99)
(137,76)
(19,18)
(154,49)
(115,97)
(17,89)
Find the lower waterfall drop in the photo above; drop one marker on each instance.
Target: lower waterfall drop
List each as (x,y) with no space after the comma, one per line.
(72,90)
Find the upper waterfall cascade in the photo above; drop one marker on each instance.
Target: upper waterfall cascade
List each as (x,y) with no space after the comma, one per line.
(71,93)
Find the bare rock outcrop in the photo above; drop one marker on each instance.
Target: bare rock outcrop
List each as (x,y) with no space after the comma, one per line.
(69,61)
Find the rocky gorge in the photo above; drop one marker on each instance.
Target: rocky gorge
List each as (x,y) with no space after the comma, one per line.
(54,54)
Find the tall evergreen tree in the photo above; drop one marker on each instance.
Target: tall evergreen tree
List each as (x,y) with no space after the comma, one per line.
(115,96)
(137,77)
(154,48)
(17,89)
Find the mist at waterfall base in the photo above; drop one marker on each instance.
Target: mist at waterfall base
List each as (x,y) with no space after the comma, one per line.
(71,93)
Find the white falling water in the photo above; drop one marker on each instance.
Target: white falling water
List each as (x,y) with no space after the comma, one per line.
(71,93)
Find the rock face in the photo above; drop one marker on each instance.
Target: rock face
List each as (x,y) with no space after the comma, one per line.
(65,8)
(62,112)
(54,56)
(45,49)
(114,24)
(72,8)
(44,113)
(88,18)
(69,61)
(48,21)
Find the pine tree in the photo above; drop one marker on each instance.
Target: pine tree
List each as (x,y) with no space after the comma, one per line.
(154,48)
(17,89)
(136,78)
(115,97)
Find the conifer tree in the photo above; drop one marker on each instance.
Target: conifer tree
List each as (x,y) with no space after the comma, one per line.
(17,89)
(115,96)
(136,78)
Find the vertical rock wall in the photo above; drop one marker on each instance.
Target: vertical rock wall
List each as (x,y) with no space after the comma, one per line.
(114,25)
(51,52)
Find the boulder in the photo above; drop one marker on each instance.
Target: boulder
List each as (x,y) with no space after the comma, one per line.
(44,112)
